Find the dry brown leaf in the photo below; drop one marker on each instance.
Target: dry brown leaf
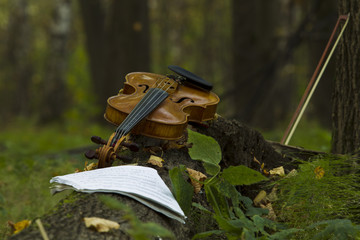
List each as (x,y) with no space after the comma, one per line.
(100,224)
(278,171)
(266,172)
(262,167)
(91,166)
(257,161)
(87,167)
(156,161)
(196,177)
(17,227)
(154,150)
(292,173)
(271,215)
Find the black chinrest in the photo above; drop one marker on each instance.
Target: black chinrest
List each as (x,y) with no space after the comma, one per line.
(191,77)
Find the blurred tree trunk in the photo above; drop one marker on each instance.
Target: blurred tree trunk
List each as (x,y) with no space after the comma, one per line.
(54,90)
(346,97)
(256,45)
(214,44)
(117,39)
(16,62)
(265,36)
(324,19)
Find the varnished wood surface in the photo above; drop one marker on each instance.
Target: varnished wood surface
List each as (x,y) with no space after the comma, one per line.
(170,118)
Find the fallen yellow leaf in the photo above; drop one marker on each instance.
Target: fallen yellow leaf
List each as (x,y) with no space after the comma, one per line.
(292,173)
(278,171)
(271,215)
(17,227)
(319,172)
(196,177)
(257,161)
(156,161)
(100,224)
(87,167)
(91,166)
(260,198)
(262,168)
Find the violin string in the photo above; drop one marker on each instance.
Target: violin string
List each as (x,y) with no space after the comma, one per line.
(147,110)
(142,109)
(136,116)
(153,103)
(135,110)
(145,98)
(133,116)
(119,131)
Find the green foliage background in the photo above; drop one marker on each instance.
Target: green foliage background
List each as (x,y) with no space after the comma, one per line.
(30,156)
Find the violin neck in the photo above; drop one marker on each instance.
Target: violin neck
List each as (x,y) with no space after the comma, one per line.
(143,108)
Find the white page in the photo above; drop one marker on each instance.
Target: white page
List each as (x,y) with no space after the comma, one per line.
(141,181)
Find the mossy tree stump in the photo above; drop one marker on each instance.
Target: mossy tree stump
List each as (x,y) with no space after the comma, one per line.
(239,145)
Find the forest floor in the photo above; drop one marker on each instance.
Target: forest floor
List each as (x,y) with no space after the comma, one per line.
(30,156)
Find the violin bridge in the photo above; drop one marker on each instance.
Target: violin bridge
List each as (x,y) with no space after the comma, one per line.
(167,84)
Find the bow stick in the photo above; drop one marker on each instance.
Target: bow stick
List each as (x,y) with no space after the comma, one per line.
(311,88)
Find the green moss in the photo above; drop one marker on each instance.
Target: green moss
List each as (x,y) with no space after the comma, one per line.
(324,188)
(71,198)
(30,156)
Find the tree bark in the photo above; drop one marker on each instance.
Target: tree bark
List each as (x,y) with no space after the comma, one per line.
(324,19)
(265,37)
(16,63)
(239,144)
(93,18)
(258,57)
(346,96)
(55,96)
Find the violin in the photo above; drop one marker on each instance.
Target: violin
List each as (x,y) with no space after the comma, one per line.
(156,106)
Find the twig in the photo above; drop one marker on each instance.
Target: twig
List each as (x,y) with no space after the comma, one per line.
(42,229)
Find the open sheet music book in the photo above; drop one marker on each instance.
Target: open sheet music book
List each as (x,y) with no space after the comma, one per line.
(140,183)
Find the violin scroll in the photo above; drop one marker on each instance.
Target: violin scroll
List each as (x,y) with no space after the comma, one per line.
(107,154)
(130,145)
(98,140)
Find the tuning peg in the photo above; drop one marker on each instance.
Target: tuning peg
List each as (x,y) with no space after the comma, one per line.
(91,154)
(98,140)
(131,146)
(124,158)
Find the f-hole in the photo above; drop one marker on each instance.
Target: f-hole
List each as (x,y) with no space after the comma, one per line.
(182,99)
(146,87)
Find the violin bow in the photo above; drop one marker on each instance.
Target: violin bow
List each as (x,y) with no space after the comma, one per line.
(311,86)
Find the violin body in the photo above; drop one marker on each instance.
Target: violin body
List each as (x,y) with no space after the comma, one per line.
(156,106)
(169,120)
